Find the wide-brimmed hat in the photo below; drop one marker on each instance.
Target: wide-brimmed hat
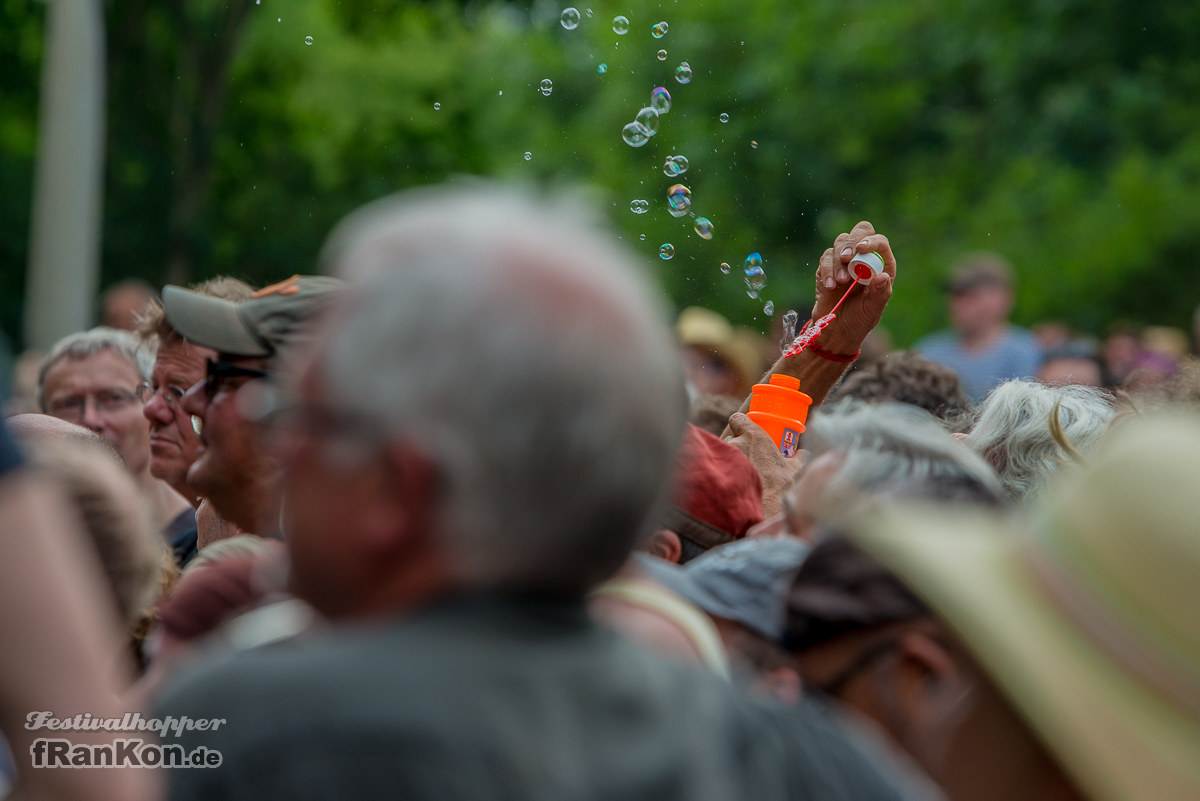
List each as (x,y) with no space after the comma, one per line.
(1088,619)
(259,326)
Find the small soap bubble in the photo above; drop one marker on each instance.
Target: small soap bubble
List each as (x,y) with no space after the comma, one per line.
(308,40)
(437,106)
(642,237)
(704,228)
(754,144)
(546,87)
(635,134)
(660,100)
(648,119)
(662,55)
(659,30)
(570,18)
(589,13)
(679,200)
(769,308)
(670,168)
(724,117)
(639,206)
(725,268)
(682,163)
(601,68)
(620,25)
(666,251)
(528,155)
(755,278)
(683,73)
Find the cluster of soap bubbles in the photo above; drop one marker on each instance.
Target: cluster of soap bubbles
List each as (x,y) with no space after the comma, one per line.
(659,30)
(546,87)
(755,279)
(639,206)
(645,124)
(675,165)
(679,200)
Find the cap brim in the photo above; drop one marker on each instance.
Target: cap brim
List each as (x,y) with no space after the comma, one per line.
(211,322)
(1119,739)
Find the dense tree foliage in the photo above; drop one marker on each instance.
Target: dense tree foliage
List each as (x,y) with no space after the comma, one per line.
(1061,133)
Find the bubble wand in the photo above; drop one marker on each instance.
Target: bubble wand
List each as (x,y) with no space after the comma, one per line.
(866,266)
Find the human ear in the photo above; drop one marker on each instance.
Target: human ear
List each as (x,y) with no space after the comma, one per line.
(665,544)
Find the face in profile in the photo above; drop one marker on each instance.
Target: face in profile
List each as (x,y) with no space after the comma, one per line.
(174,443)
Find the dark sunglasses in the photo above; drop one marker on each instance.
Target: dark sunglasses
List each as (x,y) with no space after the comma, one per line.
(216,373)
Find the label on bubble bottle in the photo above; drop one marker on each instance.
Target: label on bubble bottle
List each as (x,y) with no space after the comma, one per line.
(789,443)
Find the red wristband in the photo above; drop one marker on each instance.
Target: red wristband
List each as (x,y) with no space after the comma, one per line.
(833,357)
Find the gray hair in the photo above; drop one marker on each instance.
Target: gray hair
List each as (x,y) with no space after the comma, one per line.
(88,343)
(1029,431)
(514,342)
(893,446)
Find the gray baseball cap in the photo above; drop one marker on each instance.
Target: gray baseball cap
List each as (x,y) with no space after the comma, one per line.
(746,581)
(272,317)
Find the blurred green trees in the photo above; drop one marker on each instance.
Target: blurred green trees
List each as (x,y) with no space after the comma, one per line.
(1064,134)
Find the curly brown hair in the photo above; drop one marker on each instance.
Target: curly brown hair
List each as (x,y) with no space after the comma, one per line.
(908,377)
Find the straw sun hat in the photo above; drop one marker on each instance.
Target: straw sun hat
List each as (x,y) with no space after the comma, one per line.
(1089,621)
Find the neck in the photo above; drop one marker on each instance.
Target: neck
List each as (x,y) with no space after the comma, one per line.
(163,501)
(976,340)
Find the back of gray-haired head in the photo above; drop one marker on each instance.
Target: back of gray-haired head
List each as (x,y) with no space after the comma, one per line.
(88,343)
(890,445)
(1029,431)
(521,349)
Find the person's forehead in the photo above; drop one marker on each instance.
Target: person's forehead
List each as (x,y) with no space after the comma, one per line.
(181,360)
(104,369)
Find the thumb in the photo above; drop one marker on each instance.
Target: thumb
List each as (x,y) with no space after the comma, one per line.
(738,423)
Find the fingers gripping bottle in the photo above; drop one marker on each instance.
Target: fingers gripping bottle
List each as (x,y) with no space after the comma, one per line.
(780,408)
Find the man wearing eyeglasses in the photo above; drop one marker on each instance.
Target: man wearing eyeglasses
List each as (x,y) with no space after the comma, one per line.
(233,466)
(92,379)
(174,439)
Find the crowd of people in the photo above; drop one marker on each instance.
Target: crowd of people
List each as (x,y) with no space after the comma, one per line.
(464,517)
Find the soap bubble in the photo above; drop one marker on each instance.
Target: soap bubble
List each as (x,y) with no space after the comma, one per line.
(620,25)
(639,206)
(635,134)
(437,106)
(659,30)
(725,268)
(601,68)
(546,87)
(589,13)
(769,308)
(790,319)
(308,40)
(662,55)
(683,73)
(570,18)
(724,117)
(666,251)
(755,278)
(704,228)
(648,119)
(642,237)
(754,144)
(675,165)
(679,200)
(528,155)
(660,100)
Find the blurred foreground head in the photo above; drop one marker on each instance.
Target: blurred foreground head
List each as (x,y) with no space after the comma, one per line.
(1077,636)
(493,404)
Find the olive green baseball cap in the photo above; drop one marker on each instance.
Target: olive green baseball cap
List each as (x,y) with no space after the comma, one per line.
(259,326)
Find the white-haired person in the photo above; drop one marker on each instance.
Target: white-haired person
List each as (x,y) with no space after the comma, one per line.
(464,460)
(93,379)
(1029,431)
(856,450)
